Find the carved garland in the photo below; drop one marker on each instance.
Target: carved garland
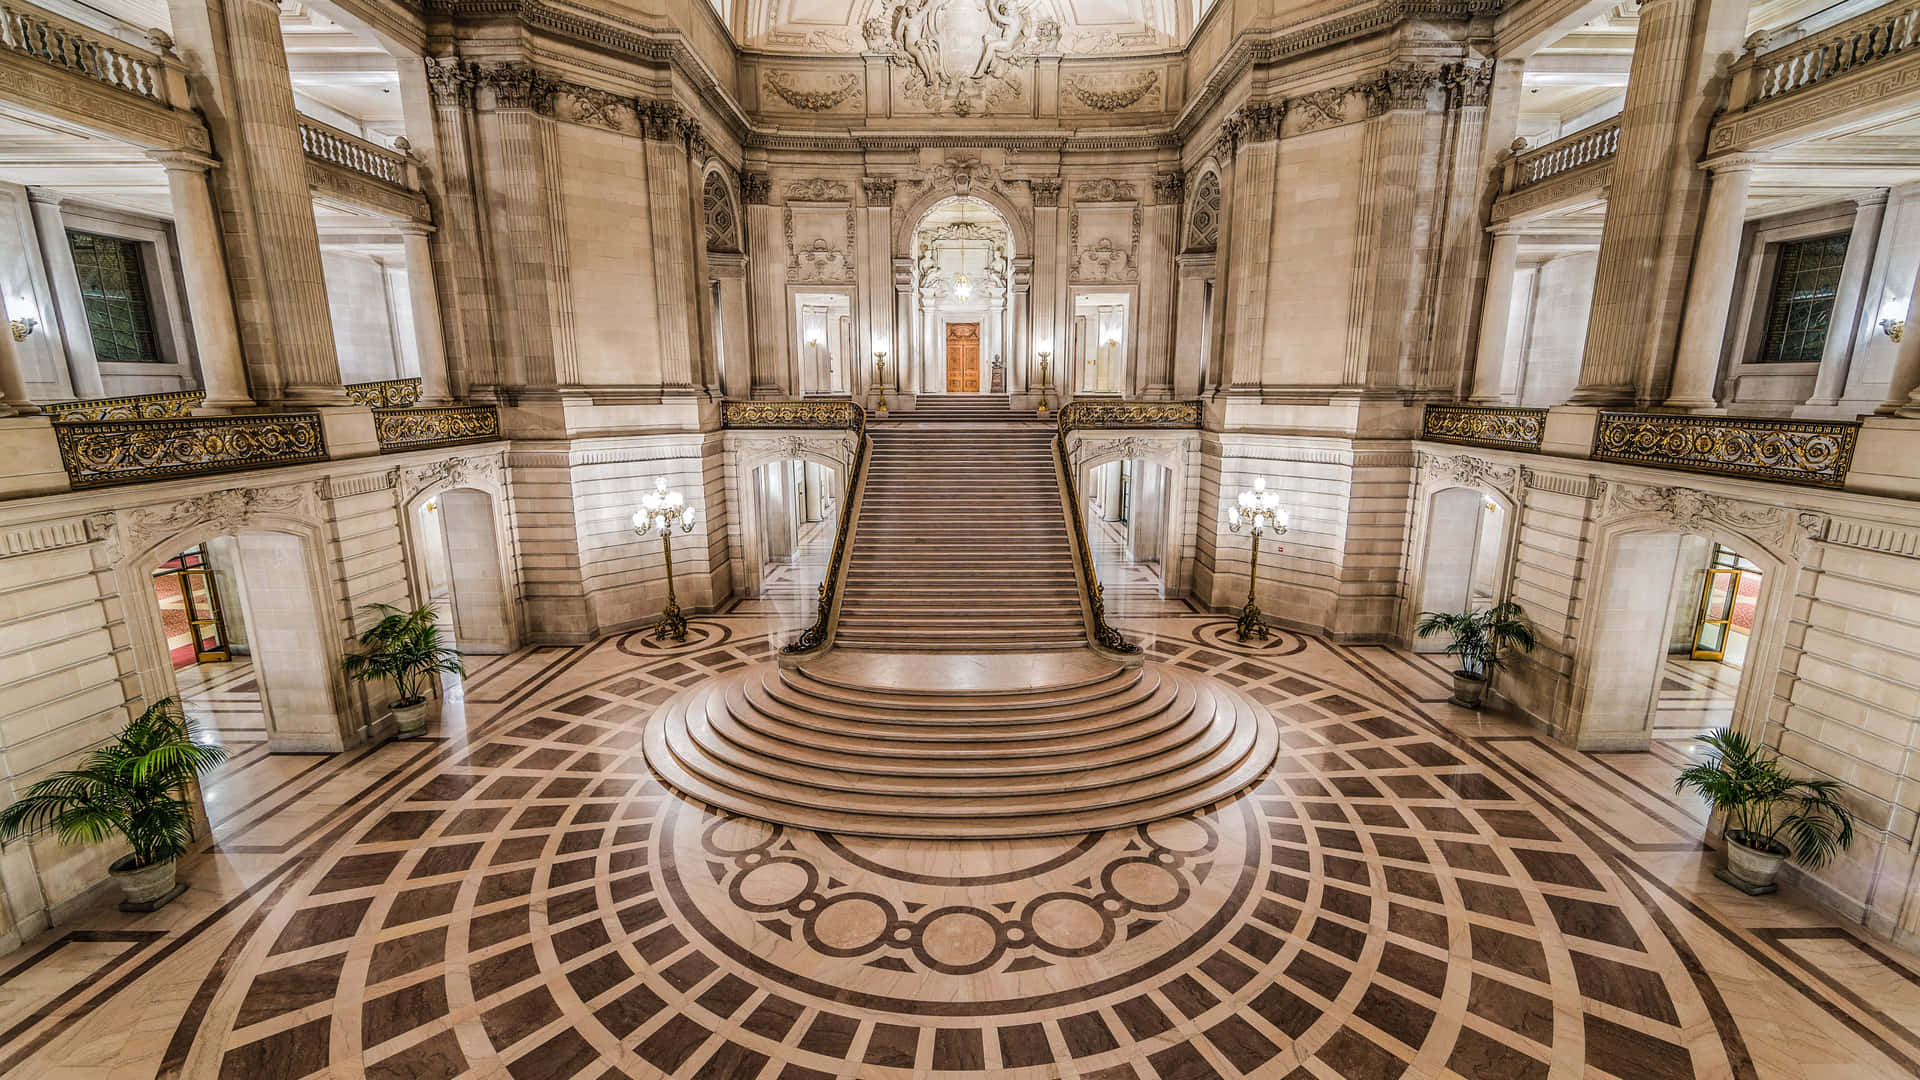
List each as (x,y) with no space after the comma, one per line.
(1112,99)
(812,100)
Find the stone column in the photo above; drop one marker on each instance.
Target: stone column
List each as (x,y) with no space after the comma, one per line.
(667,129)
(767,263)
(1489,364)
(1903,387)
(1256,128)
(1653,209)
(1153,373)
(13,386)
(1044,306)
(1703,328)
(266,130)
(83,367)
(424,300)
(216,333)
(1842,329)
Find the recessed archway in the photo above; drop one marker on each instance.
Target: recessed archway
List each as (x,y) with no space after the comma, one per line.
(460,570)
(1464,562)
(963,336)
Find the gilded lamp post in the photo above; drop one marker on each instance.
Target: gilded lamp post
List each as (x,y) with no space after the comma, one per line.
(1260,511)
(660,511)
(880,374)
(1046,353)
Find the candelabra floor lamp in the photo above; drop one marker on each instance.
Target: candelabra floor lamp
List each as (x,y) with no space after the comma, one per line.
(1045,354)
(660,511)
(1259,511)
(880,376)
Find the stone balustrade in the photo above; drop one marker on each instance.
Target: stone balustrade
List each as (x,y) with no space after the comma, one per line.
(324,142)
(1817,453)
(1595,142)
(68,45)
(1501,426)
(1855,44)
(97,453)
(410,429)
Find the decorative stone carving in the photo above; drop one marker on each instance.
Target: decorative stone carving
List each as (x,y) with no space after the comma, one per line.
(723,223)
(1262,120)
(516,86)
(592,107)
(1812,452)
(845,87)
(1470,471)
(1322,108)
(878,190)
(1228,137)
(756,188)
(1400,86)
(1045,190)
(226,511)
(1203,213)
(450,81)
(1110,96)
(959,53)
(1168,187)
(1781,530)
(817,190)
(821,264)
(1106,189)
(1046,36)
(104,529)
(449,472)
(1468,83)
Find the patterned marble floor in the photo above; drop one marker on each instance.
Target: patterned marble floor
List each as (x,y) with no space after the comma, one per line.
(1415,891)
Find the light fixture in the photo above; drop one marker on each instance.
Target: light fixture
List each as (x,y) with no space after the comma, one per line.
(880,374)
(662,509)
(22,325)
(962,287)
(1046,351)
(1258,510)
(1893,317)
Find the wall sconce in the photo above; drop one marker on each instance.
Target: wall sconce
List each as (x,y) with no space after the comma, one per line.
(23,325)
(1893,318)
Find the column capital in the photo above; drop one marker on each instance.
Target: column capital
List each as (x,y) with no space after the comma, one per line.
(1509,227)
(1739,162)
(414,228)
(1876,197)
(190,160)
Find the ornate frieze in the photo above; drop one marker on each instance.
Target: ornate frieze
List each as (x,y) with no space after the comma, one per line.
(229,510)
(1813,452)
(1105,189)
(409,429)
(1477,425)
(833,96)
(1470,471)
(1785,531)
(1110,95)
(878,190)
(1322,108)
(105,453)
(793,414)
(817,190)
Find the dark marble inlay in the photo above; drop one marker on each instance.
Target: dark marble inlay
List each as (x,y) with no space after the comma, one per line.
(294,1052)
(283,990)
(403,1010)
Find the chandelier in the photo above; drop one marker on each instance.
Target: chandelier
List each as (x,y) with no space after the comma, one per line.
(962,287)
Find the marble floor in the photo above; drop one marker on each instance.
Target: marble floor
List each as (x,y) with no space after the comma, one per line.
(1414,891)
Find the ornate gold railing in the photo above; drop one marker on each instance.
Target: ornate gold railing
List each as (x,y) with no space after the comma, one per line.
(386,394)
(1075,415)
(410,429)
(1596,142)
(1497,426)
(105,453)
(133,407)
(324,142)
(821,630)
(1813,452)
(831,413)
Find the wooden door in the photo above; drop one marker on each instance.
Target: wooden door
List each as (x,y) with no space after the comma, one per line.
(963,358)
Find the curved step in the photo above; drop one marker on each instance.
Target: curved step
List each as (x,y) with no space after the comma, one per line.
(888,762)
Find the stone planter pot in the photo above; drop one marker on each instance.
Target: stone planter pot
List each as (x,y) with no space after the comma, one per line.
(1750,869)
(1468,690)
(144,885)
(409,719)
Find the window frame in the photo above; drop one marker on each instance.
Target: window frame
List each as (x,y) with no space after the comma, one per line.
(137,299)
(179,364)
(1776,309)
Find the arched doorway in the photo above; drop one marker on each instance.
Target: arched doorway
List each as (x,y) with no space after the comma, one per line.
(1465,557)
(243,639)
(793,505)
(1130,531)
(962,249)
(1675,621)
(461,572)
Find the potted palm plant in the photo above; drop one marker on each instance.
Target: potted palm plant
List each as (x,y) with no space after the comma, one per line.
(407,649)
(133,787)
(1480,639)
(1770,816)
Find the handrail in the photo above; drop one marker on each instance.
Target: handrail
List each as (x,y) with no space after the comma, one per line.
(1093,604)
(1595,142)
(327,143)
(1848,46)
(65,44)
(817,636)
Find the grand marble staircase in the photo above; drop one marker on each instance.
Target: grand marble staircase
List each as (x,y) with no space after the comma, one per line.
(960,747)
(961,545)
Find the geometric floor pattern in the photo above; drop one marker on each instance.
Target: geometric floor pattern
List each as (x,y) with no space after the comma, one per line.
(1411,892)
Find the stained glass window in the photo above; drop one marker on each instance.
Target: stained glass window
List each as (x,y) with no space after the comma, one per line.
(113,285)
(1806,274)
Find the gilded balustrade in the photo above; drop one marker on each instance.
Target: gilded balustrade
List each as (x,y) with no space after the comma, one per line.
(133,407)
(830,413)
(411,429)
(1076,415)
(99,453)
(1498,426)
(1816,453)
(386,394)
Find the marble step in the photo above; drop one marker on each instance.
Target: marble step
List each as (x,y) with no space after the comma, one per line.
(1188,743)
(822,680)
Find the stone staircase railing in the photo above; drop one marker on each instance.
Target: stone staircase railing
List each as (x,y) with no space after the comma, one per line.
(326,143)
(1857,43)
(76,49)
(1596,142)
